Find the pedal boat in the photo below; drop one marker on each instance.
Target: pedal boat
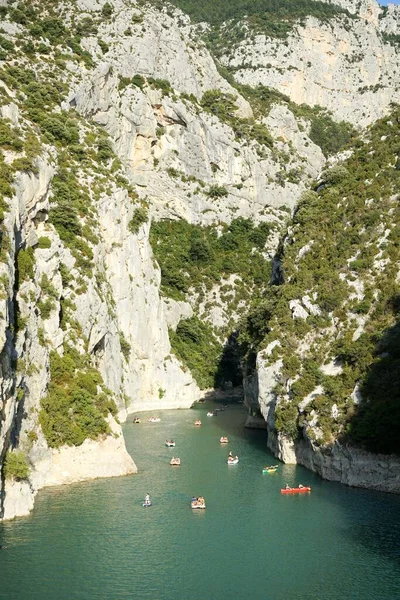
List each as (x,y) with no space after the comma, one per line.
(175,462)
(198,502)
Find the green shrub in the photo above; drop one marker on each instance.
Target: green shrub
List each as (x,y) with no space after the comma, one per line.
(25,263)
(286,419)
(24,164)
(74,409)
(217,191)
(104,47)
(16,465)
(161,84)
(107,10)
(46,307)
(140,216)
(138,81)
(105,150)
(9,138)
(125,346)
(44,243)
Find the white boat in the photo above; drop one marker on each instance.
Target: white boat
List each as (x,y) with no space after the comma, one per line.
(198,502)
(154,420)
(211,414)
(175,462)
(233,461)
(170,444)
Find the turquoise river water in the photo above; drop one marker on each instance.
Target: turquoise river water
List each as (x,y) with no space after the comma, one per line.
(95,541)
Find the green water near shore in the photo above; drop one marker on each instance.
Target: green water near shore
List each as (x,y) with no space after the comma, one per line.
(95,540)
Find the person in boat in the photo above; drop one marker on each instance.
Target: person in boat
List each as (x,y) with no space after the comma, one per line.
(147,499)
(287,487)
(300,486)
(230,455)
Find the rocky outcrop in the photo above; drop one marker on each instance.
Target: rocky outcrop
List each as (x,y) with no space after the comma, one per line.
(326,381)
(162,131)
(344,64)
(343,463)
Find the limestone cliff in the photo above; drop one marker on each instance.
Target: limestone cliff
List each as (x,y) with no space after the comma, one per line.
(326,376)
(347,64)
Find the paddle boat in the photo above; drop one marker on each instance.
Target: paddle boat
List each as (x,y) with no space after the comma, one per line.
(175,461)
(147,501)
(197,423)
(170,443)
(198,502)
(136,420)
(154,420)
(211,414)
(232,460)
(297,490)
(271,469)
(223,440)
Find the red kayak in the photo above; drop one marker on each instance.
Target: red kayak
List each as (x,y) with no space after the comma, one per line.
(296,490)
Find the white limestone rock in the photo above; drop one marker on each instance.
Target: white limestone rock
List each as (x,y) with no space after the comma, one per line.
(342,65)
(18,499)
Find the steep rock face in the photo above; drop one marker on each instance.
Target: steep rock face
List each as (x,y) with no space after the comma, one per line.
(344,463)
(326,381)
(22,389)
(158,130)
(344,65)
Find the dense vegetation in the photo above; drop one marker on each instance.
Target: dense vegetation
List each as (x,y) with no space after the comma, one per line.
(195,345)
(191,256)
(196,263)
(76,403)
(16,465)
(267,16)
(348,230)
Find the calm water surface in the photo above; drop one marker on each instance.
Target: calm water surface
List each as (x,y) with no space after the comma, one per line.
(96,541)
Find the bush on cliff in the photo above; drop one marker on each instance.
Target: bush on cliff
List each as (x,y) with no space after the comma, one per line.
(195,345)
(16,465)
(76,402)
